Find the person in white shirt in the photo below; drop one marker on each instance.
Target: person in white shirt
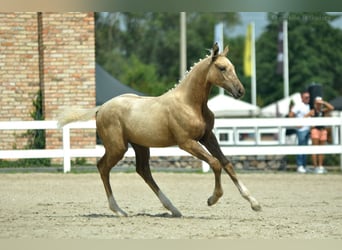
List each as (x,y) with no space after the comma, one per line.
(301,110)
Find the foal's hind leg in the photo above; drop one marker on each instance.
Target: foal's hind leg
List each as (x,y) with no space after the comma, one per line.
(104,166)
(142,155)
(210,142)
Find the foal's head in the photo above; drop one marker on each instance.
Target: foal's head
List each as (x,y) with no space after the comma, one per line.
(222,73)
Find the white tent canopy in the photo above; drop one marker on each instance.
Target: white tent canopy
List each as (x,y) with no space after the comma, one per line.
(280,108)
(226,106)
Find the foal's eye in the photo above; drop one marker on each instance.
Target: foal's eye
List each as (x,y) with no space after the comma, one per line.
(221,68)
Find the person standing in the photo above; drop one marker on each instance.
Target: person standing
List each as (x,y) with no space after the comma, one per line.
(290,133)
(301,110)
(319,134)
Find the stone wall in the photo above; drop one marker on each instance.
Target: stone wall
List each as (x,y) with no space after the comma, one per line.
(271,162)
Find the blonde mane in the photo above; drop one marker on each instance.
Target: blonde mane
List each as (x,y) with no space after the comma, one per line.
(187,73)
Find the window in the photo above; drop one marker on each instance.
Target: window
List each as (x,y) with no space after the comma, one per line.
(224,136)
(246,136)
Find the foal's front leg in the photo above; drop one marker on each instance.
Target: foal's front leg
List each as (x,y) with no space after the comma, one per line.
(194,148)
(210,142)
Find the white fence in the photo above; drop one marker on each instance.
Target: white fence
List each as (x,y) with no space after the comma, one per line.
(234,126)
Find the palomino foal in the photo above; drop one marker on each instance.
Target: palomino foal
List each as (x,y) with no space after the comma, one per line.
(178,117)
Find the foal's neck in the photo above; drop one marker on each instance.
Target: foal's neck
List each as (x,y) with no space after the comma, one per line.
(194,87)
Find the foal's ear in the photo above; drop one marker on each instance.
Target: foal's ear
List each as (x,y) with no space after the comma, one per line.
(226,50)
(215,52)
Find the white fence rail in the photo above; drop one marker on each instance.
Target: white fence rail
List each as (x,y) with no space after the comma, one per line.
(254,148)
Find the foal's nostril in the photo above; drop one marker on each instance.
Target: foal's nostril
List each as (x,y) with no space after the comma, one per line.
(241,92)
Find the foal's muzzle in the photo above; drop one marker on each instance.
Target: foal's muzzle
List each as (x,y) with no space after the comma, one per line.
(238,92)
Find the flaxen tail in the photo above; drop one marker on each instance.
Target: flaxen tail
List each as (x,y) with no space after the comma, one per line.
(73,115)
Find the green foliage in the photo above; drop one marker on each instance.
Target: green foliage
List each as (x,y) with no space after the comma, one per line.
(36,138)
(140,76)
(142,49)
(79,162)
(315,55)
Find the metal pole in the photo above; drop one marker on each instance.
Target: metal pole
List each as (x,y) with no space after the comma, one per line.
(286,60)
(182,68)
(219,35)
(340,141)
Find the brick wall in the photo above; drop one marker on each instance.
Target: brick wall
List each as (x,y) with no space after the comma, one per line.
(19,78)
(68,70)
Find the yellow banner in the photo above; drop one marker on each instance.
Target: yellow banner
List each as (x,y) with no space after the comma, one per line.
(247,55)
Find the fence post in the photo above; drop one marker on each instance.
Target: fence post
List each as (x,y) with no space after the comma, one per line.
(205,167)
(66,149)
(340,141)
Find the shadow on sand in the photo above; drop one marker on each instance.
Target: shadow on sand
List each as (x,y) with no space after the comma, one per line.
(148,215)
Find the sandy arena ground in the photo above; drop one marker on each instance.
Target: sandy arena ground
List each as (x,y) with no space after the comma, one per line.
(55,206)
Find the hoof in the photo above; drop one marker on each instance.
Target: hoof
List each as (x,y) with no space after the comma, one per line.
(120,213)
(254,204)
(256,207)
(176,214)
(212,200)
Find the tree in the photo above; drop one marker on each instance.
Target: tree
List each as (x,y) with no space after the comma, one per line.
(141,76)
(315,55)
(142,49)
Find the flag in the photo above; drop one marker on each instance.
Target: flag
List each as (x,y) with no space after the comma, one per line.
(218,35)
(247,55)
(280,55)
(283,56)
